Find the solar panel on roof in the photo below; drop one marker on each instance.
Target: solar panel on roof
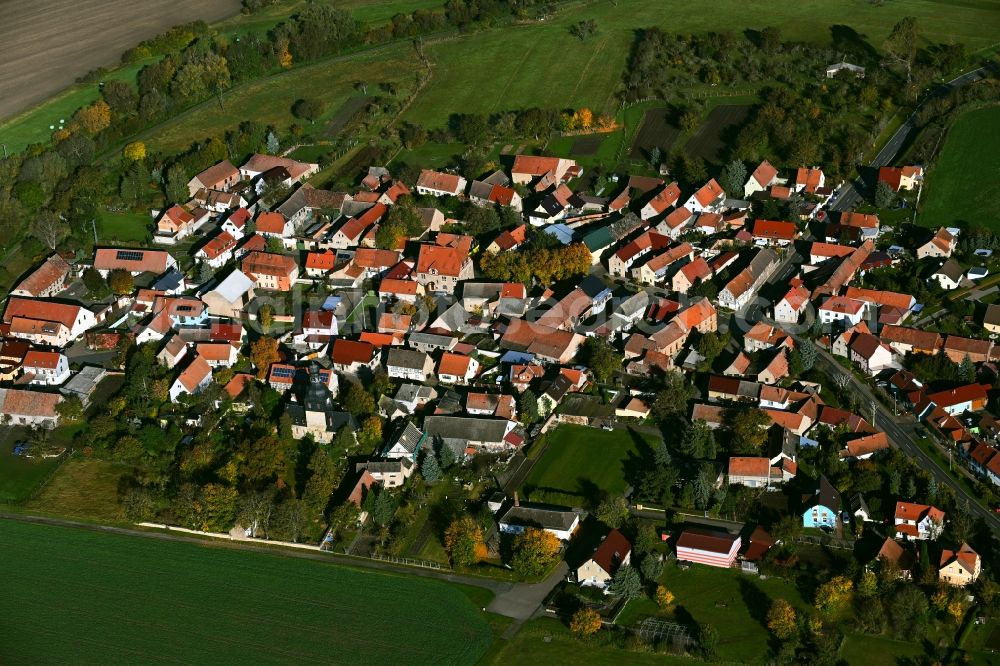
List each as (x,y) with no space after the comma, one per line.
(129,255)
(283,373)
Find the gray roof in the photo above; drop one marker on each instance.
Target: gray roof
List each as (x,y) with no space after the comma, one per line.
(443,341)
(488,290)
(532,515)
(951,269)
(334,420)
(394,466)
(466,428)
(234,286)
(409,437)
(762,261)
(577,404)
(406,358)
(411,392)
(169,281)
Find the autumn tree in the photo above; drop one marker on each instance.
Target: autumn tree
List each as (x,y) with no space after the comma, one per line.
(585,622)
(121,281)
(535,550)
(265,316)
(218,504)
(357,400)
(900,46)
(832,595)
(94,118)
(781,619)
(868,584)
(586,118)
(463,540)
(321,484)
(664,597)
(370,431)
(264,352)
(135,151)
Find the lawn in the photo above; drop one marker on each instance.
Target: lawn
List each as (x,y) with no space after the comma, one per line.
(89,597)
(124,227)
(580,464)
(83,489)
(20,476)
(960,186)
(542,64)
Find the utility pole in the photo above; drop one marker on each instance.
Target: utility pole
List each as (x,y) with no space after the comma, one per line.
(93,224)
(873,412)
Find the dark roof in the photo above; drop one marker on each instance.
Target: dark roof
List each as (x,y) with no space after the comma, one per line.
(466,428)
(406,358)
(827,495)
(536,515)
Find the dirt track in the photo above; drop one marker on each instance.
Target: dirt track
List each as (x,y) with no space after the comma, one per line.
(47,44)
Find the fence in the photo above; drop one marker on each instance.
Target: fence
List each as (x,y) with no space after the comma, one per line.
(41,485)
(426,564)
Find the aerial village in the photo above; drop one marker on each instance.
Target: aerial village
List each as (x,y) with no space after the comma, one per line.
(808,367)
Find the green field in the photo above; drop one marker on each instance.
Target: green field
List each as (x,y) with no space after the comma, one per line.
(76,596)
(582,463)
(19,476)
(125,227)
(83,489)
(960,187)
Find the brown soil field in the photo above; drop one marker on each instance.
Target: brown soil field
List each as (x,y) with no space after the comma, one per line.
(49,43)
(718,132)
(656,131)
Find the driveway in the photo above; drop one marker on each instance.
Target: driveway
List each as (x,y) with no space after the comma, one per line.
(522,601)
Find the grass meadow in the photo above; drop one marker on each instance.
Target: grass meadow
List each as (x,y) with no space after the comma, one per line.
(76,596)
(581,463)
(961,186)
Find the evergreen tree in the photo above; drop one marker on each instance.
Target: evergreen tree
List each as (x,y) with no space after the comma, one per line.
(733,178)
(430,469)
(884,195)
(807,354)
(272,143)
(967,369)
(446,457)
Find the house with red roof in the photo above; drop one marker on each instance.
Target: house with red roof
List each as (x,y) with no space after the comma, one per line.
(46,368)
(793,304)
(843,310)
(960,567)
(759,472)
(864,447)
(273,225)
(236,223)
(320,264)
(133,261)
(940,246)
(901,178)
(456,368)
(809,180)
(351,232)
(661,202)
(218,354)
(961,399)
(918,521)
(193,380)
(46,280)
(46,322)
(676,222)
(550,170)
(614,552)
(29,408)
(439,184)
(292,171)
(763,177)
(663,264)
(317,329)
(774,232)
(628,254)
(352,356)
(277,272)
(710,198)
(218,251)
(441,265)
(509,240)
(690,274)
(714,548)
(870,354)
(400,290)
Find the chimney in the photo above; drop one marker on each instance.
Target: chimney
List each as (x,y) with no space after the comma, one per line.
(517,502)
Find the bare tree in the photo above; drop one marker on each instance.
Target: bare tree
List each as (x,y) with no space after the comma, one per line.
(49,229)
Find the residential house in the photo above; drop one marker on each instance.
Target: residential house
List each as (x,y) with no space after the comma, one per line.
(663,264)
(823,509)
(822,252)
(870,354)
(441,265)
(550,171)
(409,364)
(277,272)
(400,290)
(218,251)
(282,171)
(676,222)
(215,201)
(352,356)
(509,240)
(218,354)
(774,232)
(763,177)
(940,246)
(758,472)
(318,329)
(405,443)
(864,447)
(236,223)
(20,407)
(845,311)
(918,521)
(467,433)
(456,368)
(960,567)
(714,548)
(967,398)
(351,232)
(173,352)
(559,523)
(544,342)
(906,340)
(615,551)
(46,322)
(391,473)
(230,297)
(793,304)
(134,262)
(690,275)
(273,225)
(300,208)
(661,202)
(221,176)
(710,198)
(809,180)
(866,224)
(622,260)
(991,318)
(742,288)
(957,348)
(949,276)
(193,380)
(901,178)
(901,558)
(491,404)
(46,280)
(46,368)
(438,184)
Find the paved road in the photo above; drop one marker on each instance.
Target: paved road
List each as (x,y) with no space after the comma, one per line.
(900,433)
(850,195)
(522,601)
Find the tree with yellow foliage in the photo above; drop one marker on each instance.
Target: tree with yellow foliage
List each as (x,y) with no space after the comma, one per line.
(264,352)
(135,151)
(534,552)
(664,597)
(284,55)
(781,619)
(585,622)
(464,541)
(585,118)
(94,118)
(833,594)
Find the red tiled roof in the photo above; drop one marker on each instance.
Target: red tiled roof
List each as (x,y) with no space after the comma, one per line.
(218,173)
(26,308)
(764,173)
(271,223)
(709,192)
(267,263)
(41,359)
(749,466)
(134,261)
(52,271)
(400,287)
(666,198)
(710,541)
(436,180)
(612,551)
(774,229)
(238,384)
(446,260)
(956,396)
(323,261)
(348,352)
(454,364)
(218,245)
(534,166)
(195,373)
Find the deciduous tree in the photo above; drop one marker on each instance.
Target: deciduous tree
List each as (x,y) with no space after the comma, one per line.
(121,281)
(585,622)
(664,597)
(464,541)
(264,352)
(832,595)
(781,619)
(134,152)
(534,552)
